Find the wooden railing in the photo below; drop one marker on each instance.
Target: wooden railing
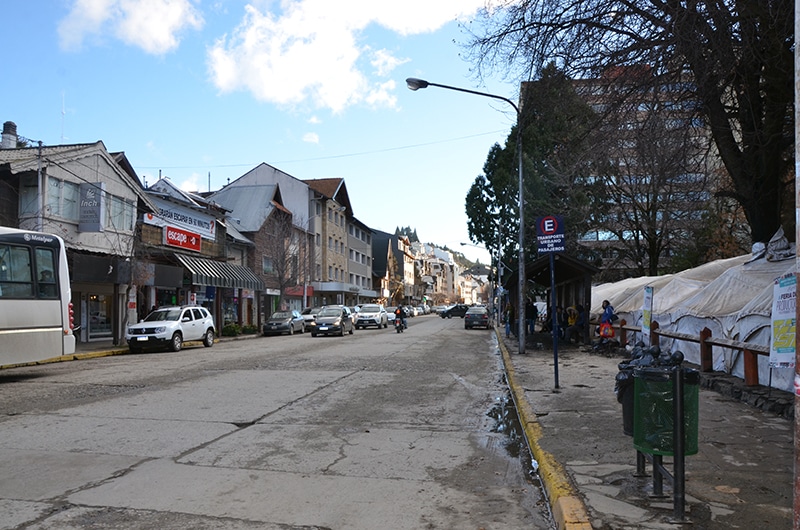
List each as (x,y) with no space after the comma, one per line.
(707,342)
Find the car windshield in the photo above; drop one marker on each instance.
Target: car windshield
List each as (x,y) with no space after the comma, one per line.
(281,315)
(330,312)
(160,316)
(311,311)
(476,311)
(370,309)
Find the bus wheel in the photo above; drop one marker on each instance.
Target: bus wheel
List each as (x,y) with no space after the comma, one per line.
(176,342)
(208,338)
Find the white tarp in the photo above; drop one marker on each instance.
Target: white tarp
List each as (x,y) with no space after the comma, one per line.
(731,297)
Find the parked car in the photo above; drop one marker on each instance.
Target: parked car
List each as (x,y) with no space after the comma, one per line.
(390,315)
(476,317)
(309,315)
(411,311)
(333,320)
(438,309)
(354,309)
(284,322)
(458,310)
(170,327)
(372,315)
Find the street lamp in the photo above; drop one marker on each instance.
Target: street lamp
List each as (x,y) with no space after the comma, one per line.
(415,84)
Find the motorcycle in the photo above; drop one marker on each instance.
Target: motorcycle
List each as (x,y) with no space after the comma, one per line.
(399,326)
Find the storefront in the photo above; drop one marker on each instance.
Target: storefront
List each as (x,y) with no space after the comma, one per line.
(229,291)
(98,285)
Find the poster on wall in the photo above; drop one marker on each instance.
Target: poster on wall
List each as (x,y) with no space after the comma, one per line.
(784,301)
(647,314)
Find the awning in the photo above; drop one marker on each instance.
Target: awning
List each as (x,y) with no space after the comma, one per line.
(220,274)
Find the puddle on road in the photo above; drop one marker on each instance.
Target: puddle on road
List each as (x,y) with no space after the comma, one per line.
(506,421)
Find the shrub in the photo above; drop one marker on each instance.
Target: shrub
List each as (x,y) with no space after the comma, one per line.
(249,330)
(231,330)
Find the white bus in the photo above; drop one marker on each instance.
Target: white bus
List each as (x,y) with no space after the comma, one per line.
(36,317)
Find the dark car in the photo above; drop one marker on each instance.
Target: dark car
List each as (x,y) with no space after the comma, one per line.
(284,322)
(333,320)
(458,310)
(476,317)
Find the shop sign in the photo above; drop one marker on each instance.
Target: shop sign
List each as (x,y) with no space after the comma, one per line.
(297,290)
(92,207)
(172,214)
(177,237)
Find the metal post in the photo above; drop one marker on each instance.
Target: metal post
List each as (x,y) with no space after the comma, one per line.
(556,334)
(678,444)
(416,84)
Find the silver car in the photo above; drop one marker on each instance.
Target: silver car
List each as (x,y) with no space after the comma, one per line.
(284,322)
(372,315)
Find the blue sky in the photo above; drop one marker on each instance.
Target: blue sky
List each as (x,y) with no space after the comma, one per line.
(315,88)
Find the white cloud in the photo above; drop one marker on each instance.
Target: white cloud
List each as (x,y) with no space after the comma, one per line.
(152,25)
(311,138)
(191,183)
(314,120)
(313,50)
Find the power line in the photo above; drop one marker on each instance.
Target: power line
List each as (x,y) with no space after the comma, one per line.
(333,157)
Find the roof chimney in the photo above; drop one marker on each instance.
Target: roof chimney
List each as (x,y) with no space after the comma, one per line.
(9,140)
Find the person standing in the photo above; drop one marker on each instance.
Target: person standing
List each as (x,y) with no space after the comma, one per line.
(531,314)
(509,319)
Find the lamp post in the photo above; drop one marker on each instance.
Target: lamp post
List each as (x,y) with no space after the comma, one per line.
(415,84)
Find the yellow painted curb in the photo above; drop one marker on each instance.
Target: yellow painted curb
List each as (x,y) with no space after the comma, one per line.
(70,357)
(569,511)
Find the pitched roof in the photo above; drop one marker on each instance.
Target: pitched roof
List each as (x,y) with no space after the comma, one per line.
(251,206)
(332,188)
(23,159)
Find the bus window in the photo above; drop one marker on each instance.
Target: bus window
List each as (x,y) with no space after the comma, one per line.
(15,272)
(45,265)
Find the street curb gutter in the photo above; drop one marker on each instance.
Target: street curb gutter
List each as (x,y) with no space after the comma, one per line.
(569,511)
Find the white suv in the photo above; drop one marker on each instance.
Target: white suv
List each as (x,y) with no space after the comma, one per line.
(372,315)
(171,327)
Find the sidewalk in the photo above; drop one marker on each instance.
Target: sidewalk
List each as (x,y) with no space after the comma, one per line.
(741,477)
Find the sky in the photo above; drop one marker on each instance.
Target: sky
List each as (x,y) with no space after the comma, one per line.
(202,91)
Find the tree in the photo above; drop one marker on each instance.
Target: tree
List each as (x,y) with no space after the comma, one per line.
(655,173)
(281,253)
(738,54)
(556,162)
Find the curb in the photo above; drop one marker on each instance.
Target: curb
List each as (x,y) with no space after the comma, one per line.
(569,511)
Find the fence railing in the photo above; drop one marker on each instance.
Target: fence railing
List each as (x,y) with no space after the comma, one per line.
(749,350)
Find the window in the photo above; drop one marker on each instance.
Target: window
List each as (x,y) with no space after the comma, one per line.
(46,268)
(62,199)
(119,213)
(15,272)
(266,265)
(318,239)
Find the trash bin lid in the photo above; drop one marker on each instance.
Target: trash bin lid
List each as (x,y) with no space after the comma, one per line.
(662,374)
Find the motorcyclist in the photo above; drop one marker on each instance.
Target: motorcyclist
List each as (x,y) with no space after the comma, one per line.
(400,313)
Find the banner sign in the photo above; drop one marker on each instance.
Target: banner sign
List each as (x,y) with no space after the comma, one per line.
(177,237)
(550,233)
(647,314)
(784,300)
(172,214)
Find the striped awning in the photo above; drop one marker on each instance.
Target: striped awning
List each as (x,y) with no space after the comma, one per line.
(220,274)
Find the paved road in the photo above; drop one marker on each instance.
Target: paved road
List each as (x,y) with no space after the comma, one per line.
(373,430)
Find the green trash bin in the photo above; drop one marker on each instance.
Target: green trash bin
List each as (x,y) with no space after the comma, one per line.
(653,410)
